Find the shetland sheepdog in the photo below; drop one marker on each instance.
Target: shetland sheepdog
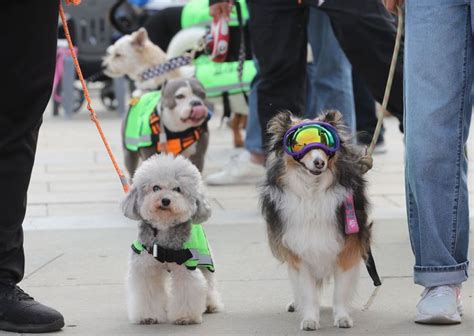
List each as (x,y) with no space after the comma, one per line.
(313,192)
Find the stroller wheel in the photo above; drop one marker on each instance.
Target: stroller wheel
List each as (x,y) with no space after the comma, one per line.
(78,99)
(107,96)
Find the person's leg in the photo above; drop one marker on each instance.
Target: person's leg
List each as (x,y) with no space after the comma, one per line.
(310,106)
(28,69)
(366,112)
(366,33)
(163,25)
(437,94)
(438,79)
(247,166)
(278,31)
(253,131)
(332,76)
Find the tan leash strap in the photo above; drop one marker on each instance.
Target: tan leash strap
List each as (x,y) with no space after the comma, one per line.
(366,162)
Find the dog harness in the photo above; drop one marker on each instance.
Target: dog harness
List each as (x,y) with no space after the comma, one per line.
(195,252)
(351,226)
(173,142)
(143,128)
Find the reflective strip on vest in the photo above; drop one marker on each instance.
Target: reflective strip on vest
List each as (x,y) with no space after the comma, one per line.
(228,88)
(137,141)
(202,258)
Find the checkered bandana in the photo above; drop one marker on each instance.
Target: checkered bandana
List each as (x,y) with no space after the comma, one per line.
(163,68)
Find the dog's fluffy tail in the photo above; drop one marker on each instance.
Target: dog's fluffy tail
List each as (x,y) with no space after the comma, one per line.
(184,40)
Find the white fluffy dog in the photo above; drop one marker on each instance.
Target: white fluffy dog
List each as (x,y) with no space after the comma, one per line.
(131,55)
(171,273)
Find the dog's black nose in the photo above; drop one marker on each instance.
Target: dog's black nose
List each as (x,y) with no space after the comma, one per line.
(319,163)
(165,201)
(195,103)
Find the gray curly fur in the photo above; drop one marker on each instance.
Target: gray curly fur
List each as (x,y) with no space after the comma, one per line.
(168,172)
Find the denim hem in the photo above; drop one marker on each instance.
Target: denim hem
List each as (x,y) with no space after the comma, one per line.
(255,150)
(429,276)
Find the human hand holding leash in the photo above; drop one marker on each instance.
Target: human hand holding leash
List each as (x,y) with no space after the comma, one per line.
(221,9)
(393,4)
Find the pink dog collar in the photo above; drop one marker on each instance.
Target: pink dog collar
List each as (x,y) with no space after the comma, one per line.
(352,226)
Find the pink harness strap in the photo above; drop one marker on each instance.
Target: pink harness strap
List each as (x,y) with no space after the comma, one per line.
(351,224)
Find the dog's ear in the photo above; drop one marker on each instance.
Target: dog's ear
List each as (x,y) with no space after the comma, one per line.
(167,98)
(198,88)
(163,85)
(335,118)
(203,211)
(130,204)
(277,128)
(139,38)
(332,117)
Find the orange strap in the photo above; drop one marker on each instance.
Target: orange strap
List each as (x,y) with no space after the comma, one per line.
(93,115)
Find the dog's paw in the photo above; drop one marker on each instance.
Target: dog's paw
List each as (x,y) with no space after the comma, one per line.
(291,307)
(309,324)
(343,322)
(148,321)
(213,304)
(188,320)
(212,308)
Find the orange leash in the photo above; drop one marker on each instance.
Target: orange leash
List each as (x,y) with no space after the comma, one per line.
(93,115)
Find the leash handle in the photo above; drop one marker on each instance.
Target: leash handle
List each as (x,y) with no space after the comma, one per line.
(93,115)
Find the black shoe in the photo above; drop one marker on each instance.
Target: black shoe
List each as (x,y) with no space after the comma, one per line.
(20,313)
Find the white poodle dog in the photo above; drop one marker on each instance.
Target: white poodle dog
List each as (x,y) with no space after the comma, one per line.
(171,272)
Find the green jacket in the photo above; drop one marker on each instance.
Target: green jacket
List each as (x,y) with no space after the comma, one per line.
(196,249)
(137,125)
(217,77)
(196,13)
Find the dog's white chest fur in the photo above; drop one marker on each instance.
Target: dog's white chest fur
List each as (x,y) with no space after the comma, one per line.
(311,231)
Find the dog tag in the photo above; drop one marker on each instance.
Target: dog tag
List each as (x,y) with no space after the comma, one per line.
(155,250)
(352,226)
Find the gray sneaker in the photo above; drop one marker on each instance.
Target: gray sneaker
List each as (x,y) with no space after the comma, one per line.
(440,305)
(239,170)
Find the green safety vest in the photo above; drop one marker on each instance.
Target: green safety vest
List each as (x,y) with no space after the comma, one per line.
(197,244)
(217,77)
(196,13)
(223,77)
(138,132)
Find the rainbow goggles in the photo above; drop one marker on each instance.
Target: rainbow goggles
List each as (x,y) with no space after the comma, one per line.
(302,138)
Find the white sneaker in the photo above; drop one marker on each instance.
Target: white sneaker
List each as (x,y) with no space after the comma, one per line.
(239,170)
(380,148)
(440,305)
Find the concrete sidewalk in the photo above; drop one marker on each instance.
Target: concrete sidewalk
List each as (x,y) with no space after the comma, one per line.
(77,244)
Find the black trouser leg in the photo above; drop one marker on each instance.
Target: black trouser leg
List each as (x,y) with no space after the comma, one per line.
(28,33)
(278,37)
(366,113)
(163,25)
(366,32)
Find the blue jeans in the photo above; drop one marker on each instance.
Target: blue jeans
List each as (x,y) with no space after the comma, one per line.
(330,74)
(253,131)
(438,80)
